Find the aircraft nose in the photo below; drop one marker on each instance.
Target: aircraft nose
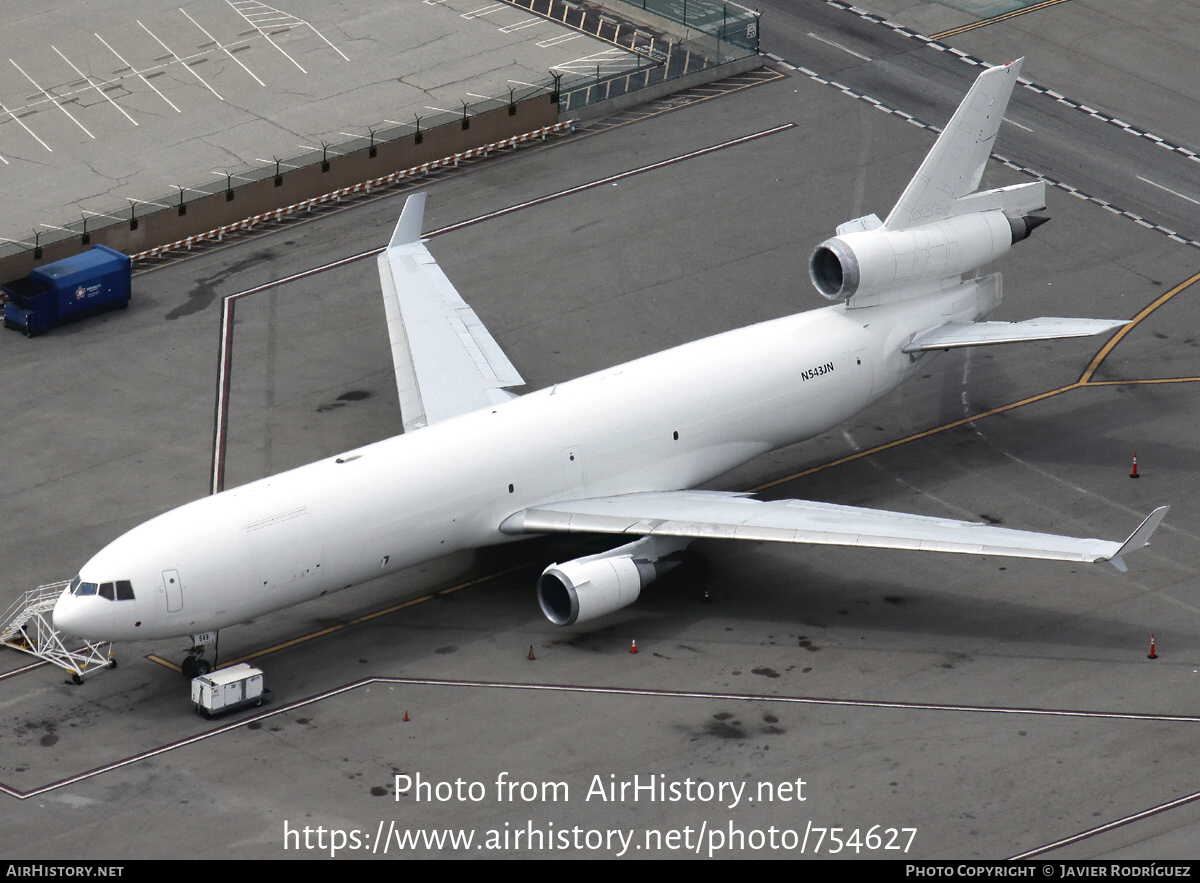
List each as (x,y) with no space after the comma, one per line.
(66,615)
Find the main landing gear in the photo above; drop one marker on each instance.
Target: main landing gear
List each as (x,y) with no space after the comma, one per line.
(195,664)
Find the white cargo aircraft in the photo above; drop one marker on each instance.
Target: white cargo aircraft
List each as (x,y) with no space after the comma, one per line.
(614,452)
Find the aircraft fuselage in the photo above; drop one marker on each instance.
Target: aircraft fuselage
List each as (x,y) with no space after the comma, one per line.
(670,420)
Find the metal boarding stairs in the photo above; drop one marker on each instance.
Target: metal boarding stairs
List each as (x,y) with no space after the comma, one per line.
(26,626)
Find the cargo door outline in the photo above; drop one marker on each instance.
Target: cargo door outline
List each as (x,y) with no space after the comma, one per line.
(174,589)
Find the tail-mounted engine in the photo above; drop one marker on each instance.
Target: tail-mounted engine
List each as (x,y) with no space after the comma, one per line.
(880,264)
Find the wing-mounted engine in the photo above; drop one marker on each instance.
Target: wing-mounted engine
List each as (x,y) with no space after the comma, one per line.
(587,588)
(940,228)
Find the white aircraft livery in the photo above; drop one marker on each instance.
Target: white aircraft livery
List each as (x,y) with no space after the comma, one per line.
(614,452)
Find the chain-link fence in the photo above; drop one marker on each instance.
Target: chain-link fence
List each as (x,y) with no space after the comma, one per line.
(726,22)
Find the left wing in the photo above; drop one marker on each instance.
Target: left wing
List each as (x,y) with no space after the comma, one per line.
(712,514)
(446,362)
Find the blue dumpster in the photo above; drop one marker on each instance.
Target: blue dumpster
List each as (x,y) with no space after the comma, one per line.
(66,290)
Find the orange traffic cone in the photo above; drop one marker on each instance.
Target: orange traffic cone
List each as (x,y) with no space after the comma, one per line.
(406,716)
(1152,655)
(1134,474)
(633,647)
(531,657)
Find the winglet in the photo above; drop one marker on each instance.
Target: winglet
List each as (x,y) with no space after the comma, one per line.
(408,228)
(1138,538)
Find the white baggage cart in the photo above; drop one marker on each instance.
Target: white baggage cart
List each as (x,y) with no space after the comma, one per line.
(228,690)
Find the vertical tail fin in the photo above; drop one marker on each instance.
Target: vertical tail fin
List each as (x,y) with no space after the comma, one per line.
(955,164)
(941,227)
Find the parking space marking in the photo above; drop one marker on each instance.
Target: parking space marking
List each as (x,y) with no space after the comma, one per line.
(520,26)
(53,100)
(174,56)
(483,10)
(222,47)
(93,85)
(554,41)
(262,12)
(607,61)
(136,72)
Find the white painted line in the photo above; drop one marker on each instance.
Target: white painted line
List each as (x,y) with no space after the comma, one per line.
(1018,125)
(285,55)
(281,163)
(521,25)
(325,150)
(837,46)
(145,202)
(1169,190)
(486,97)
(101,215)
(554,41)
(258,19)
(441,109)
(177,58)
(483,10)
(17,119)
(88,80)
(330,45)
(54,101)
(226,51)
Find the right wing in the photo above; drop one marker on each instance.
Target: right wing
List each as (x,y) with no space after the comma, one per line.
(717,515)
(446,361)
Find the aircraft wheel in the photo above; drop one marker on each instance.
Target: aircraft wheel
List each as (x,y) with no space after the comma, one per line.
(202,667)
(189,667)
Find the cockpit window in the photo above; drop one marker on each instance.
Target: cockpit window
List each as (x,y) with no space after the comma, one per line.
(119,590)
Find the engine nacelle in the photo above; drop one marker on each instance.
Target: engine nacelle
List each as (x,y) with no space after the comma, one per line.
(579,590)
(587,588)
(874,262)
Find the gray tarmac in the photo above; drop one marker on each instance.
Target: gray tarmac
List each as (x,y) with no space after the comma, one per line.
(106,103)
(995,706)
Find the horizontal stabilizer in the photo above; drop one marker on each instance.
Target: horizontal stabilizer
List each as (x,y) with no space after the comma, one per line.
(954,336)
(446,361)
(716,515)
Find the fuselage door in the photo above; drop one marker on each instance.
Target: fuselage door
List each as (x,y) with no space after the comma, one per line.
(174,590)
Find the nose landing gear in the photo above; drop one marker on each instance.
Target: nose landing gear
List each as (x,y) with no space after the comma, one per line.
(195,664)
